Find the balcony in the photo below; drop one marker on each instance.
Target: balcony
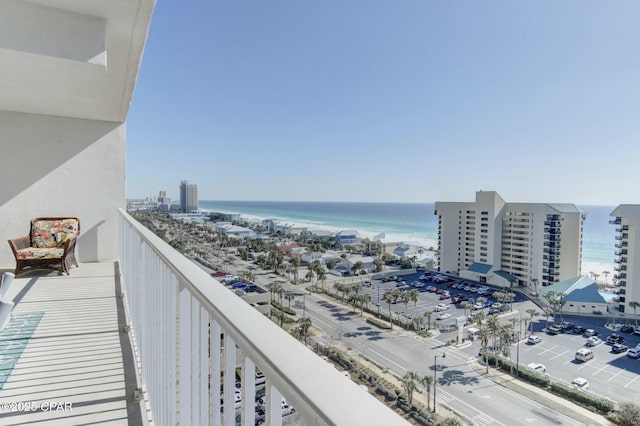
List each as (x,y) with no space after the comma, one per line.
(616,221)
(82,350)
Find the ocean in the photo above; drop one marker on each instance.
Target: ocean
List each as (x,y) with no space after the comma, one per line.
(408,222)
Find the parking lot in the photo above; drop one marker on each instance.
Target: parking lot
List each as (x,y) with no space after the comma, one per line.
(430,295)
(609,374)
(615,376)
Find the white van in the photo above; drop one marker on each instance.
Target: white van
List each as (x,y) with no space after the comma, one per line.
(584,354)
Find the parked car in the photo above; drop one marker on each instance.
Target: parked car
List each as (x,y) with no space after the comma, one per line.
(578,329)
(230,279)
(554,329)
(593,341)
(615,338)
(443,316)
(219,273)
(444,295)
(537,367)
(260,379)
(441,307)
(584,354)
(636,330)
(580,383)
(367,284)
(626,328)
(618,348)
(634,353)
(532,340)
(589,332)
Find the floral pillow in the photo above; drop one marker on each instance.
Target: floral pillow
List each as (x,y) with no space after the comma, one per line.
(53,233)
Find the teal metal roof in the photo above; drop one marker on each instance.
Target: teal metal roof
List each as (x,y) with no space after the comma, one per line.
(480,268)
(507,276)
(579,289)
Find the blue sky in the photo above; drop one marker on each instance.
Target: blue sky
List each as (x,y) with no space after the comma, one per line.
(398,101)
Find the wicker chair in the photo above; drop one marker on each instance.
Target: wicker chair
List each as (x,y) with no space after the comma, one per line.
(51,243)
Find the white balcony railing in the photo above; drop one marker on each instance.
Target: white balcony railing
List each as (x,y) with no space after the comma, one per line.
(173,307)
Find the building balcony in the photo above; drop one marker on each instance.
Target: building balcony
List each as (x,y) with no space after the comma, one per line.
(128,342)
(616,221)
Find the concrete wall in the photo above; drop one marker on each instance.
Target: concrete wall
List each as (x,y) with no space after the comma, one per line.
(53,166)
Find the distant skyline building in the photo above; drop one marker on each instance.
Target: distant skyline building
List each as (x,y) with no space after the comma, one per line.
(627,254)
(162,197)
(188,197)
(527,244)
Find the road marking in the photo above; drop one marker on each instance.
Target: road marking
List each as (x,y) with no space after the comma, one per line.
(559,355)
(547,350)
(483,419)
(636,378)
(616,375)
(387,359)
(593,374)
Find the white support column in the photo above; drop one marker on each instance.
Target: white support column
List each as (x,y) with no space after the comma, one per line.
(274,407)
(194,353)
(229,380)
(203,354)
(184,358)
(249,391)
(214,362)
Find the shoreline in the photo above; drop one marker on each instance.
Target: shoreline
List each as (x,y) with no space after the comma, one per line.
(587,267)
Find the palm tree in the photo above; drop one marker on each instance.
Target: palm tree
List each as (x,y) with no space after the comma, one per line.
(531,313)
(484,334)
(295,262)
(413,296)
(606,274)
(634,305)
(547,312)
(365,299)
(289,297)
(322,277)
(272,289)
(535,285)
(428,315)
(427,381)
(304,324)
(390,296)
(493,322)
(409,385)
(479,318)
(466,306)
(279,292)
(405,298)
(355,269)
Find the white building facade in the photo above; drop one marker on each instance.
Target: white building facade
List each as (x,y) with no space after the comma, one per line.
(525,244)
(627,252)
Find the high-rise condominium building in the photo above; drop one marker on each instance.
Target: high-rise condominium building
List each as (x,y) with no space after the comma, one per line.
(188,197)
(162,197)
(627,251)
(526,244)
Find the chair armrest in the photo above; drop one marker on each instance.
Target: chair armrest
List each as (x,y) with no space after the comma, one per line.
(70,245)
(20,243)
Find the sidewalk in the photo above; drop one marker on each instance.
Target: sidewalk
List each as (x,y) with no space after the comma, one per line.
(559,404)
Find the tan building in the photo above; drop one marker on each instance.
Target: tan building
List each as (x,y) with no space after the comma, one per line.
(525,244)
(627,269)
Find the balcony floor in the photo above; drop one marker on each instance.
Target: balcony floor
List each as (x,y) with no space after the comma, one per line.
(73,368)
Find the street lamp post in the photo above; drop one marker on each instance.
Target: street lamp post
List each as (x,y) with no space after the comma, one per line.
(378,301)
(435,370)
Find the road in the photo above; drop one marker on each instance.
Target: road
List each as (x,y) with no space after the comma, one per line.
(458,385)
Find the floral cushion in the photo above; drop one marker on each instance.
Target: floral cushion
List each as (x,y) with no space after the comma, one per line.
(40,253)
(53,233)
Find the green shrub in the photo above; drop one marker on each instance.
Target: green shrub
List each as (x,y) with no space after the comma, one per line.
(601,405)
(378,323)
